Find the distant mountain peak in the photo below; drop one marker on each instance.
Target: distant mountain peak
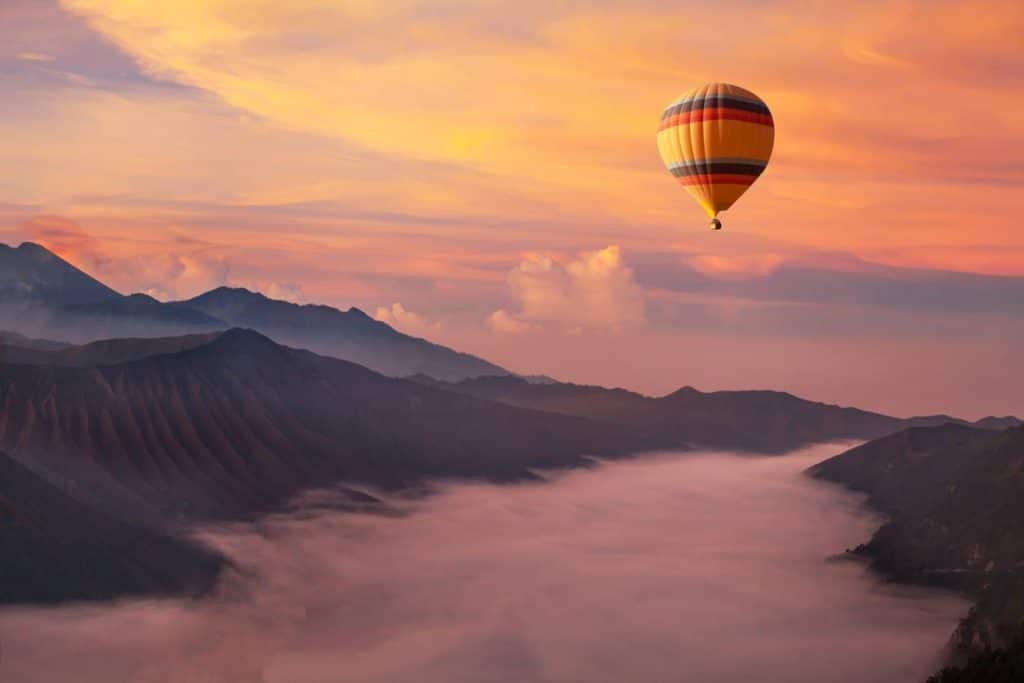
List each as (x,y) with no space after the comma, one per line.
(360,312)
(252,297)
(141,296)
(34,274)
(242,336)
(239,342)
(225,290)
(37,249)
(1004,422)
(685,391)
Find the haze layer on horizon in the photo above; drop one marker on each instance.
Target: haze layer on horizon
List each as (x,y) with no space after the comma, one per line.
(486,176)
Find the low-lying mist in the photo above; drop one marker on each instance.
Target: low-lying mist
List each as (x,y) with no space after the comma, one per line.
(665,568)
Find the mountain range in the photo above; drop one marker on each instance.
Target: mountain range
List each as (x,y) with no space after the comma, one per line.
(231,424)
(351,335)
(761,421)
(26,351)
(41,295)
(8,338)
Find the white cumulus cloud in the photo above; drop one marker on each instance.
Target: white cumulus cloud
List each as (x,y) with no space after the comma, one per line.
(595,290)
(286,291)
(405,320)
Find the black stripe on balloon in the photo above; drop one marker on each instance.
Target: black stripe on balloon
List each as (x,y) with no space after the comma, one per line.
(717,167)
(716,102)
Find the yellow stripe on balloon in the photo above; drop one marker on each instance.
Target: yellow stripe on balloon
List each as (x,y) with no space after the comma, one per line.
(735,139)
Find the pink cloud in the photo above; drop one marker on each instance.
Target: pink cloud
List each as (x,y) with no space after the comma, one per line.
(168,269)
(405,320)
(594,290)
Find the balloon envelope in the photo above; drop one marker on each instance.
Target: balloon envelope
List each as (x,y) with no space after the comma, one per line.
(716,140)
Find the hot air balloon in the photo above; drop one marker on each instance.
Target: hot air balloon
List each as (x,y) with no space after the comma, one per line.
(716,140)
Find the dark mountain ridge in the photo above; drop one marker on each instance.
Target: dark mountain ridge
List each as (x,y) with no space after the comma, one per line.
(55,548)
(104,352)
(351,335)
(137,315)
(234,426)
(761,421)
(993,422)
(23,342)
(231,424)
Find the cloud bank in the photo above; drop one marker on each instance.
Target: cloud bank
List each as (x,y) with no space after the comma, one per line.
(705,567)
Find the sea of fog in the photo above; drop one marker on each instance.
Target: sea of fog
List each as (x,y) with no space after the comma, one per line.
(674,567)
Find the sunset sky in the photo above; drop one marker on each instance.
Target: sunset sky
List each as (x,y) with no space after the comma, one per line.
(485,174)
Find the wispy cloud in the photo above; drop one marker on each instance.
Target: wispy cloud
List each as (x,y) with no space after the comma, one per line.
(528,109)
(34,57)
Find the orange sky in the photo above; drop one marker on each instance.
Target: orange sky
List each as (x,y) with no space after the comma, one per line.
(485,173)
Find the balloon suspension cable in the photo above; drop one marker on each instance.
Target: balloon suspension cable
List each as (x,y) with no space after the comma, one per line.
(715,224)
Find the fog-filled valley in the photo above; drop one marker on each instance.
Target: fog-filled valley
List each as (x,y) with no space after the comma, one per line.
(666,567)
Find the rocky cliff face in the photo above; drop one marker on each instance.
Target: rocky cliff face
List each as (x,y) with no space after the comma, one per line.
(954,496)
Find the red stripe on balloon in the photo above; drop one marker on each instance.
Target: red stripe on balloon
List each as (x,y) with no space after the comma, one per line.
(718,114)
(717,179)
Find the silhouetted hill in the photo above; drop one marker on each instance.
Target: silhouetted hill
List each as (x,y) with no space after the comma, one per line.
(33,274)
(54,548)
(1005,422)
(351,335)
(136,315)
(236,425)
(104,352)
(955,499)
(539,379)
(23,342)
(764,421)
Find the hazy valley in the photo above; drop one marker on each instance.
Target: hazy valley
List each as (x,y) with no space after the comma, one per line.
(645,569)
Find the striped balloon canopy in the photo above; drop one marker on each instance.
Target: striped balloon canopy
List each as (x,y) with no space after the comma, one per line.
(716,140)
